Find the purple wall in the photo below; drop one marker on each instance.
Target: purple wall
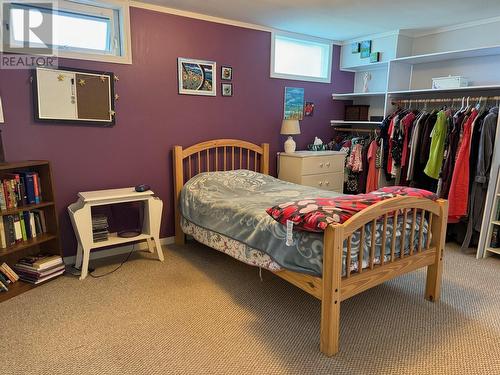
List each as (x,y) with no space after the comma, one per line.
(152,117)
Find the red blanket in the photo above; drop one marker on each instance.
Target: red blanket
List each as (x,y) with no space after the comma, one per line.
(314,214)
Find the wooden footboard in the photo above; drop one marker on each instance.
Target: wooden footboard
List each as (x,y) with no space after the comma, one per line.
(332,287)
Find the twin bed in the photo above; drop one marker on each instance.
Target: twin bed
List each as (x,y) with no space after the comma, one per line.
(222,190)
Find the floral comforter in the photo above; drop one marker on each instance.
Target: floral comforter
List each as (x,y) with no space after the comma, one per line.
(234,204)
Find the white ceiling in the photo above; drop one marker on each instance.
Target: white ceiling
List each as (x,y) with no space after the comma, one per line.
(342,19)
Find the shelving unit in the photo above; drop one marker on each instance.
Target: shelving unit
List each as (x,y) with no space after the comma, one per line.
(344,123)
(48,242)
(492,220)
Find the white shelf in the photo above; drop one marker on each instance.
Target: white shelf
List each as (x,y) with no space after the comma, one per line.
(433,91)
(496,222)
(344,122)
(365,67)
(354,95)
(449,55)
(493,250)
(113,240)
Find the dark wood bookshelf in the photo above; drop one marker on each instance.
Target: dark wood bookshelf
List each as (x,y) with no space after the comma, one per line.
(49,242)
(28,207)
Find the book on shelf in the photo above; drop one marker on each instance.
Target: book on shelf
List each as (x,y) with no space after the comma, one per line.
(21,227)
(9,272)
(39,268)
(20,189)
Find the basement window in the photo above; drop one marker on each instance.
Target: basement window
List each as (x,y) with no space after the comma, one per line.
(300,58)
(82,30)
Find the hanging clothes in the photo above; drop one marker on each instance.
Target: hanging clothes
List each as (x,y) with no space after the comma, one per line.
(451,152)
(372,178)
(436,149)
(459,189)
(482,171)
(414,145)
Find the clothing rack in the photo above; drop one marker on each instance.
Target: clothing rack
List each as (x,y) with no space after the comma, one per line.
(355,130)
(444,100)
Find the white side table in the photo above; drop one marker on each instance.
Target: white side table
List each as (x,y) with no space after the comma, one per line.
(81,218)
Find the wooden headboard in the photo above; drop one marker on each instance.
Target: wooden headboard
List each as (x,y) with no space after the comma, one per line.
(211,156)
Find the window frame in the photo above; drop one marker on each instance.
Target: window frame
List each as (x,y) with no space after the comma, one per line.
(302,38)
(117,11)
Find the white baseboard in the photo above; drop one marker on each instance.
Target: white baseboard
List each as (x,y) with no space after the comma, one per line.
(98,254)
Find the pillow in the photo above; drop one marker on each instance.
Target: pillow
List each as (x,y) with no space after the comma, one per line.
(315,214)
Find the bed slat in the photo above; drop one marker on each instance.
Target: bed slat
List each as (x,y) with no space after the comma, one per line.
(384,241)
(216,159)
(225,158)
(372,248)
(421,230)
(361,248)
(403,235)
(255,161)
(428,242)
(241,159)
(232,159)
(348,257)
(248,158)
(394,230)
(412,232)
(189,166)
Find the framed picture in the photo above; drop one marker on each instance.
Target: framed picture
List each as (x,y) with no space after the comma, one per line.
(227,89)
(374,57)
(226,73)
(196,77)
(366,48)
(355,47)
(309,109)
(294,103)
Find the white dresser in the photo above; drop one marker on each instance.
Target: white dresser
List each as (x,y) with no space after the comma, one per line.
(320,169)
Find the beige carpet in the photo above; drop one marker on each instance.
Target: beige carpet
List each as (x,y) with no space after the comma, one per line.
(201,312)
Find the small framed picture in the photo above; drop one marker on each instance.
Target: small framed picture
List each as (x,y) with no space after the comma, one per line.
(227,89)
(226,73)
(366,48)
(309,109)
(374,57)
(355,47)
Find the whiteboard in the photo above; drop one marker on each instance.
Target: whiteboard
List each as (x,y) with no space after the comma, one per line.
(57,94)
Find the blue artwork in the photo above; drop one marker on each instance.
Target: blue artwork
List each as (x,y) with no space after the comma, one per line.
(294,103)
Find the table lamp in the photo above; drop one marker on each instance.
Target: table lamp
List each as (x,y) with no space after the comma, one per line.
(290,127)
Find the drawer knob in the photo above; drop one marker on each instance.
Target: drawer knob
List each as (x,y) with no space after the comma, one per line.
(327,183)
(328,164)
(321,165)
(320,183)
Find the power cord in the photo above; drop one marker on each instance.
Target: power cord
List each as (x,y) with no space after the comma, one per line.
(117,268)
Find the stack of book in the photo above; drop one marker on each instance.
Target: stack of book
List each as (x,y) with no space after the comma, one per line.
(20,189)
(7,276)
(22,226)
(39,268)
(100,228)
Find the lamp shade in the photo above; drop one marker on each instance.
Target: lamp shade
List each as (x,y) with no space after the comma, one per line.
(289,127)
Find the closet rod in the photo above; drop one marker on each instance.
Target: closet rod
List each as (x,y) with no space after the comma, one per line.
(357,130)
(445,100)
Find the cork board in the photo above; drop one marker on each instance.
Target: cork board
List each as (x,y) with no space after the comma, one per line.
(74,96)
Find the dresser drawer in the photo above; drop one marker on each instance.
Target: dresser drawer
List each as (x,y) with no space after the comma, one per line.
(322,164)
(326,181)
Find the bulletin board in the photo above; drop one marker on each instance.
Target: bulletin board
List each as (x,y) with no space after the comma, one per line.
(74,96)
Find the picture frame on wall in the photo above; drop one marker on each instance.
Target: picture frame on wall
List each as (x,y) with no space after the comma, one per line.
(197,77)
(309,109)
(355,47)
(226,73)
(294,103)
(374,57)
(227,89)
(366,48)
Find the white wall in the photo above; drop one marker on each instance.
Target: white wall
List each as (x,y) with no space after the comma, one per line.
(482,35)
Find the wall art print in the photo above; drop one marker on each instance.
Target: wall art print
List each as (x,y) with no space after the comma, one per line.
(197,77)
